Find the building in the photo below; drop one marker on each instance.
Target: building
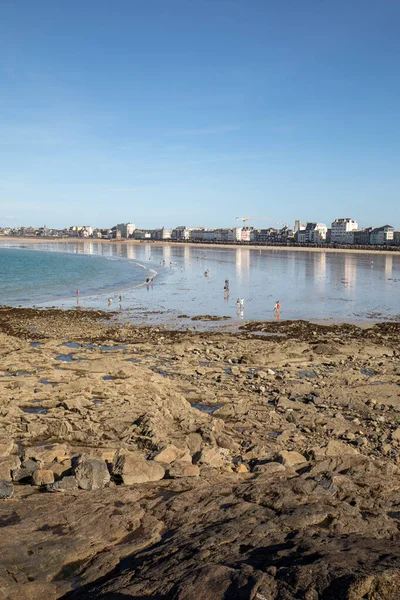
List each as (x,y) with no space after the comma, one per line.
(340,230)
(396,238)
(126,229)
(181,233)
(380,236)
(314,233)
(161,234)
(361,237)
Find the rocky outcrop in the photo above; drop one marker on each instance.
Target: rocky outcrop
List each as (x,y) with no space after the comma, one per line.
(287,488)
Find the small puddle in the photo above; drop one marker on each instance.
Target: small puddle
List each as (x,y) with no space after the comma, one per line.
(307,374)
(105,348)
(133,360)
(71,345)
(39,410)
(206,363)
(206,407)
(274,434)
(47,382)
(97,401)
(368,372)
(35,344)
(68,357)
(108,378)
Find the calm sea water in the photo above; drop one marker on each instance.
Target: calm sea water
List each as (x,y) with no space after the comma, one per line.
(310,285)
(33,276)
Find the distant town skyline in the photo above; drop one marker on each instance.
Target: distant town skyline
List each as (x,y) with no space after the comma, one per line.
(190,112)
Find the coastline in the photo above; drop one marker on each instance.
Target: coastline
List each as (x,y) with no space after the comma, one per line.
(73,240)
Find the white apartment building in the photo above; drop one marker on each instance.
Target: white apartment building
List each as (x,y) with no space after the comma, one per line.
(341,231)
(126,229)
(314,233)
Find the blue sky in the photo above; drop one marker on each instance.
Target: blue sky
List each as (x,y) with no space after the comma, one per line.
(168,112)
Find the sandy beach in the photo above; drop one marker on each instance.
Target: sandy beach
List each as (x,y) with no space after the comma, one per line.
(181,465)
(28,240)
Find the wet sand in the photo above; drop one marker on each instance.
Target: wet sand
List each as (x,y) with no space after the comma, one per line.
(7,239)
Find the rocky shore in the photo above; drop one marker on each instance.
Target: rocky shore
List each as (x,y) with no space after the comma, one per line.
(146,463)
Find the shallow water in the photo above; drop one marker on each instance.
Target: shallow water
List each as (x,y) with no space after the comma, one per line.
(310,285)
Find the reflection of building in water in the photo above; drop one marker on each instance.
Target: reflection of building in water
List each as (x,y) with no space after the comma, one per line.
(166,253)
(350,271)
(87,247)
(186,255)
(388,265)
(131,251)
(242,262)
(319,265)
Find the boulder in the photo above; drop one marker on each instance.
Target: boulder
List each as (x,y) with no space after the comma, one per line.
(6,447)
(183,469)
(22,475)
(65,484)
(6,489)
(131,468)
(168,454)
(241,468)
(42,477)
(47,453)
(194,442)
(288,459)
(268,468)
(91,473)
(213,457)
(332,449)
(61,469)
(396,434)
(7,465)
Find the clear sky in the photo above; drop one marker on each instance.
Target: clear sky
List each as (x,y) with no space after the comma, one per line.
(174,112)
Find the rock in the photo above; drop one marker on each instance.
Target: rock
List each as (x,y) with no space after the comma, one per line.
(61,469)
(91,473)
(42,477)
(168,454)
(333,448)
(76,404)
(22,475)
(6,447)
(65,484)
(7,465)
(47,453)
(289,459)
(241,468)
(268,468)
(213,457)
(396,434)
(194,442)
(6,489)
(183,469)
(133,469)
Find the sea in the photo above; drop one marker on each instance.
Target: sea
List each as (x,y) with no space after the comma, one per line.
(164,283)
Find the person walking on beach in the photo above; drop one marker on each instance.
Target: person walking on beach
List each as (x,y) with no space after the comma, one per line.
(277,307)
(109,301)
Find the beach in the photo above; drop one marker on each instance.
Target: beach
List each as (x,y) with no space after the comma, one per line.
(30,240)
(185,464)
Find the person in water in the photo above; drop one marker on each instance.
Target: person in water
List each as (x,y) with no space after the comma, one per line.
(277,307)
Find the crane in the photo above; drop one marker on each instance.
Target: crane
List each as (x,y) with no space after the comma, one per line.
(245,219)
